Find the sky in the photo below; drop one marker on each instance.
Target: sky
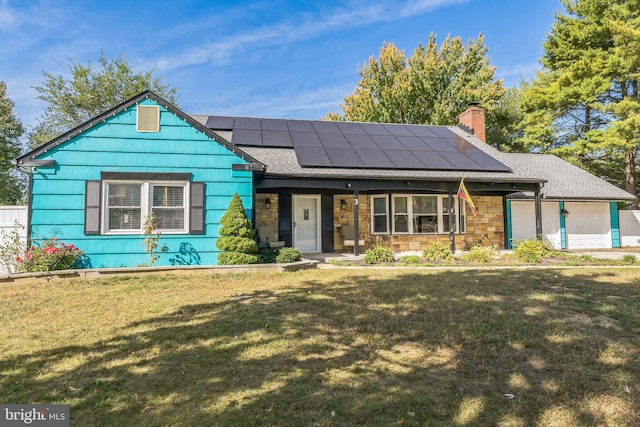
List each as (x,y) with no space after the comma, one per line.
(273,59)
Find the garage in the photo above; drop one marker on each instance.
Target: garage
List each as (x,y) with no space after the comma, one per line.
(588,225)
(523,221)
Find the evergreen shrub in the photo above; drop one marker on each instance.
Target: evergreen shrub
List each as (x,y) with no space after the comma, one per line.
(236,236)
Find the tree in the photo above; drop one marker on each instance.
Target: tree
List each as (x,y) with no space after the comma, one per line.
(10,132)
(503,125)
(89,93)
(583,104)
(433,86)
(236,236)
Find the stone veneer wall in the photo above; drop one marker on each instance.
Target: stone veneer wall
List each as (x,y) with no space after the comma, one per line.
(341,217)
(266,217)
(486,228)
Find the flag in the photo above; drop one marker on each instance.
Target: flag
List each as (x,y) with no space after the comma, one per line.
(464,195)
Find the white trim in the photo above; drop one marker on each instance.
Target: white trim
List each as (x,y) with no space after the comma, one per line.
(146,201)
(317,198)
(386,212)
(440,213)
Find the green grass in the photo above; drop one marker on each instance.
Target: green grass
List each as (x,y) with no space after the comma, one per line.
(515,347)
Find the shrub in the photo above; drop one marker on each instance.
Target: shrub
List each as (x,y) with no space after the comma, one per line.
(481,253)
(236,236)
(437,251)
(51,255)
(410,259)
(12,249)
(630,259)
(269,256)
(532,251)
(286,255)
(234,258)
(378,254)
(151,237)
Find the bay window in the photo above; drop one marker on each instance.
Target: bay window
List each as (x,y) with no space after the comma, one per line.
(416,214)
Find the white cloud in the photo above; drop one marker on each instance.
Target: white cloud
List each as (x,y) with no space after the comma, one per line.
(303,27)
(7,16)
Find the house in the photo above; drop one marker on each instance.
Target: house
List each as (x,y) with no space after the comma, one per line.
(309,181)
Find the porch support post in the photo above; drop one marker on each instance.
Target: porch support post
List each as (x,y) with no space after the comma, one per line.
(452,223)
(356,224)
(538,206)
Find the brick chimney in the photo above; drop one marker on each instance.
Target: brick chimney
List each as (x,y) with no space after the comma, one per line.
(473,120)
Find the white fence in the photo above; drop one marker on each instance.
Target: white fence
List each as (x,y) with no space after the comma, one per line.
(630,228)
(12,219)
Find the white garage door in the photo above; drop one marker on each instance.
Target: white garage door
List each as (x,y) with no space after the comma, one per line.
(588,225)
(523,221)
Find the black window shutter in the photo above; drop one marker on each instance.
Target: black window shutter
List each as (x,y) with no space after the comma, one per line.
(196,215)
(92,207)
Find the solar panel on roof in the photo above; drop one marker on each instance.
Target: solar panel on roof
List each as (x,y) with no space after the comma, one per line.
(220,123)
(361,141)
(432,160)
(374,129)
(325,127)
(305,139)
(421,131)
(246,137)
(438,144)
(374,158)
(360,145)
(274,124)
(350,128)
(460,144)
(312,156)
(397,130)
(404,159)
(486,161)
(413,143)
(461,161)
(275,138)
(333,140)
(300,126)
(443,132)
(343,157)
(387,142)
(247,123)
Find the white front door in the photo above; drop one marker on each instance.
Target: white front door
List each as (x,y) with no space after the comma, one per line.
(306,223)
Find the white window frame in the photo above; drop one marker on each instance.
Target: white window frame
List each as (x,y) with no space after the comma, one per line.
(385,214)
(442,206)
(146,200)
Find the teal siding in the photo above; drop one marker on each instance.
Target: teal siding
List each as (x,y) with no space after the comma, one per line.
(57,207)
(615,225)
(563,227)
(509,225)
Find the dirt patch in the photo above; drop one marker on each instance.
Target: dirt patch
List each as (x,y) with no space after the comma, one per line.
(601,321)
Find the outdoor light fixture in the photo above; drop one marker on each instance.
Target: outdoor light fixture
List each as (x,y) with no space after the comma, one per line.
(343,204)
(564,213)
(267,203)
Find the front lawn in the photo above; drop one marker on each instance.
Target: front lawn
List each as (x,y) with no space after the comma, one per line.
(371,347)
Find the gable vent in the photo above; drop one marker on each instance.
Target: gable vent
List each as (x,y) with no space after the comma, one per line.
(148,118)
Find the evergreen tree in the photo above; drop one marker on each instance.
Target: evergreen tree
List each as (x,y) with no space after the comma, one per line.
(89,93)
(236,236)
(433,86)
(583,105)
(11,130)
